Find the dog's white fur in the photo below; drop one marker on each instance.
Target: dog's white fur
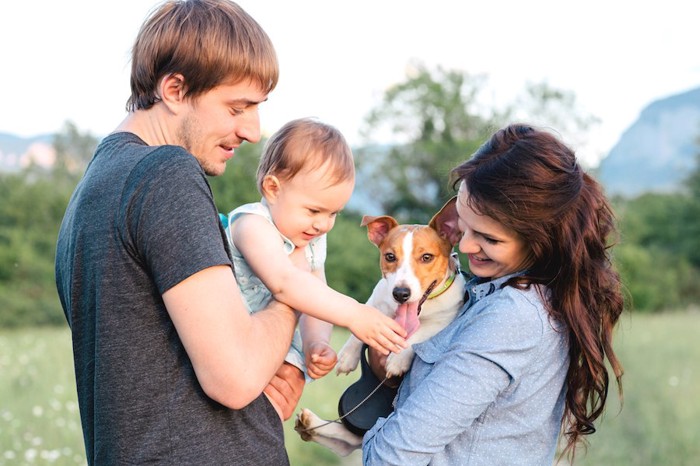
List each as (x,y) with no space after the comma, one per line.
(412,258)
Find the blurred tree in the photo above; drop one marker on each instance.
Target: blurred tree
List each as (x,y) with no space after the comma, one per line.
(436,118)
(690,221)
(438,121)
(74,149)
(237,185)
(34,201)
(352,265)
(546,106)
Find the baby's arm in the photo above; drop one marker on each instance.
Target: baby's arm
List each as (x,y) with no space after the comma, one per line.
(256,238)
(320,357)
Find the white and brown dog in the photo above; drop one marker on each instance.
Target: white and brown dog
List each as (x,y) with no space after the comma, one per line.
(421,287)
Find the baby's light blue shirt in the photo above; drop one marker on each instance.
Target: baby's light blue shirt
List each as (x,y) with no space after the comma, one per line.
(256,295)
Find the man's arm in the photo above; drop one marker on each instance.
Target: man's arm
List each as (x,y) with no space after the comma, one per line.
(234,354)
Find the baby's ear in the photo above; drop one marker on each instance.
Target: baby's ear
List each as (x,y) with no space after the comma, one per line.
(270,187)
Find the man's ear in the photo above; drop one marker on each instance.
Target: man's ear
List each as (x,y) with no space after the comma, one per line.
(270,188)
(172,90)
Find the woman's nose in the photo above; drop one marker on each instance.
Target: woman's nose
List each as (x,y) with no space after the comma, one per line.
(467,244)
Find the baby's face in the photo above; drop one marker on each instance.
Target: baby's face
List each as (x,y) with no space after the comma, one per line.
(306,205)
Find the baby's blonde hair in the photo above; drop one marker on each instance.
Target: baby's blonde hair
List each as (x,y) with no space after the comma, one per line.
(306,144)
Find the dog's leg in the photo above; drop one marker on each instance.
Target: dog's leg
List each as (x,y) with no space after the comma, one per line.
(399,363)
(349,355)
(333,436)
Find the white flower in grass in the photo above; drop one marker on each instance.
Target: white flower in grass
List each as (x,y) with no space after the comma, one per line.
(30,454)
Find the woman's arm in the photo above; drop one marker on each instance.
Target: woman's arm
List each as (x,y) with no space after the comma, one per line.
(454,379)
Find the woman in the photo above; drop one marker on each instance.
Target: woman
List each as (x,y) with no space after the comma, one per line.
(525,359)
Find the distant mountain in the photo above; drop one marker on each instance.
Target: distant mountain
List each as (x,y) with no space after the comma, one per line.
(657,152)
(16,152)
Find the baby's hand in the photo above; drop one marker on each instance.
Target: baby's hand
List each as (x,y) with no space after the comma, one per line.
(379,331)
(320,359)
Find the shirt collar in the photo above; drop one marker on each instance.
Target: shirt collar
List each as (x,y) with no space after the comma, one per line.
(478,288)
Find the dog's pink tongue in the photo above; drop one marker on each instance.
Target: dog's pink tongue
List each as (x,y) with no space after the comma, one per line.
(407,317)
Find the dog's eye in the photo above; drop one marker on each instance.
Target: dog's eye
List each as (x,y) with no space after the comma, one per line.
(426,258)
(390,257)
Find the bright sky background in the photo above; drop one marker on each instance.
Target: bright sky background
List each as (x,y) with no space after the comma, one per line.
(69,59)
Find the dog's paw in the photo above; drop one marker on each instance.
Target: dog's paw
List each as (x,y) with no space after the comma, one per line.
(330,434)
(398,364)
(349,356)
(347,362)
(304,424)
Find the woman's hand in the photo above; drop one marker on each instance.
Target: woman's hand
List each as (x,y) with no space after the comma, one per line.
(377,363)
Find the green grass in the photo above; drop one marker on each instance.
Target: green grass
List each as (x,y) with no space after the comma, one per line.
(658,425)
(39,420)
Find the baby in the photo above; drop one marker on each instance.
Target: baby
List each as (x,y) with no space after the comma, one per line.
(306,176)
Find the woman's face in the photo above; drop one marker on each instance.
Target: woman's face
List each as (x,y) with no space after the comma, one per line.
(493,249)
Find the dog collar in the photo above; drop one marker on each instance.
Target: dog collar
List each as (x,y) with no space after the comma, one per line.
(448,283)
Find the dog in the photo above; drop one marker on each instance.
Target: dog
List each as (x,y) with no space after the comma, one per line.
(421,287)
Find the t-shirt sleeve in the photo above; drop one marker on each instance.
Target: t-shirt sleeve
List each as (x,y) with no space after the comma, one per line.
(170,220)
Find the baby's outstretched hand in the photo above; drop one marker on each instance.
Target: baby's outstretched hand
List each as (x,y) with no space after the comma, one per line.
(320,359)
(379,331)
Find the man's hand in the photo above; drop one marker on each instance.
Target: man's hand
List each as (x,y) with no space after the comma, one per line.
(285,389)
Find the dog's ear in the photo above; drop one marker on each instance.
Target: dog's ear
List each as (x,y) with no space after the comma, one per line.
(445,222)
(378,227)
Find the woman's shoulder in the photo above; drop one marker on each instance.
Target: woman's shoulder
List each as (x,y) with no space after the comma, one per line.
(511,309)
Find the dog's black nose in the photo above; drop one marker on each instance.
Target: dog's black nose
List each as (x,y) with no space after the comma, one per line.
(401,295)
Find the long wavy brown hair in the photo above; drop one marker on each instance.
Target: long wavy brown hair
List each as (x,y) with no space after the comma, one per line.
(528,180)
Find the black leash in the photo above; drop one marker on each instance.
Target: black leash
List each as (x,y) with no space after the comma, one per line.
(338,420)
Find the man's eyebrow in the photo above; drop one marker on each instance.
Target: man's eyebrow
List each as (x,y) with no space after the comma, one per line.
(246,102)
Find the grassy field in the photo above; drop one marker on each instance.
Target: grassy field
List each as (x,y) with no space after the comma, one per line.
(658,425)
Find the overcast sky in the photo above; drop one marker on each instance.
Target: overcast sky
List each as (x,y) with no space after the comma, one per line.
(69,60)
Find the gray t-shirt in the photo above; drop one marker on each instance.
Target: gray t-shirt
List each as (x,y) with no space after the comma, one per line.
(142,220)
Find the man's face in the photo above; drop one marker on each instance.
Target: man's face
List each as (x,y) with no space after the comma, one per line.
(219,121)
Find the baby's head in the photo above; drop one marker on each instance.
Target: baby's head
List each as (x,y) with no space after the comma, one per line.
(306,174)
(305,145)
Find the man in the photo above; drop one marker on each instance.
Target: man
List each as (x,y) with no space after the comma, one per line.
(170,367)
